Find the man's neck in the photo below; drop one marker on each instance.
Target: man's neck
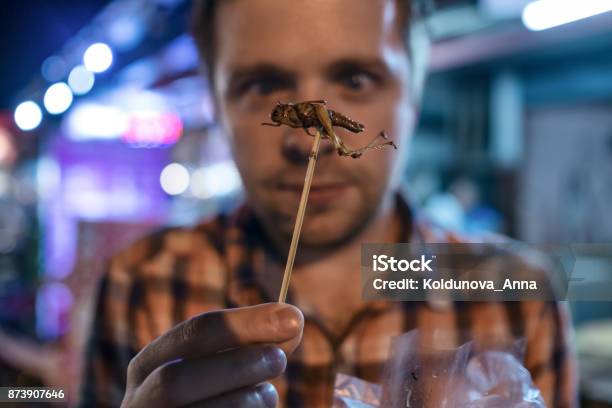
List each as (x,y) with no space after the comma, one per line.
(385,226)
(335,276)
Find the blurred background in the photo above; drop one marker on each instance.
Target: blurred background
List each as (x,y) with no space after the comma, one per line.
(107,132)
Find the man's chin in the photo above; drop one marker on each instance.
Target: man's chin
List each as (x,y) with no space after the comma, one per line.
(326,224)
(326,230)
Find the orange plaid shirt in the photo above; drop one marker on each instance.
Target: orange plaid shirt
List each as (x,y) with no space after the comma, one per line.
(224,262)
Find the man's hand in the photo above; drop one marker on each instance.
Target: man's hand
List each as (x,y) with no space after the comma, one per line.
(217,359)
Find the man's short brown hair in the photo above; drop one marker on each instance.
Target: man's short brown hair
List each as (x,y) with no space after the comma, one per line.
(411,12)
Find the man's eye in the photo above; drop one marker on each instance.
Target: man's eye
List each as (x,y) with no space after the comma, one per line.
(357,81)
(265,86)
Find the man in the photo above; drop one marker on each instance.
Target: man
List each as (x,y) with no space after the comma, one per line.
(195,303)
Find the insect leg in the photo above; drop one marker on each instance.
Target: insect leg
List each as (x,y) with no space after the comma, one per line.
(271,124)
(371,146)
(328,128)
(341,148)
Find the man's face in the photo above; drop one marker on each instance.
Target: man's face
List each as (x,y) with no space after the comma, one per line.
(348,52)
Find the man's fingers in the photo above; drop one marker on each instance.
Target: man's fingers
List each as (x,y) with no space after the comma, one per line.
(261,396)
(216,331)
(290,345)
(187,381)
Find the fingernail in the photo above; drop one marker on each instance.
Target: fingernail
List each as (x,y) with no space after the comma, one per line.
(268,394)
(274,359)
(288,319)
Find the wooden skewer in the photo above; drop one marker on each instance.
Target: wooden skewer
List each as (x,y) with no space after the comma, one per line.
(312,160)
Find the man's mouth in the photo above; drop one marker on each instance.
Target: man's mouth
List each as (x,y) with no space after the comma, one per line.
(319,192)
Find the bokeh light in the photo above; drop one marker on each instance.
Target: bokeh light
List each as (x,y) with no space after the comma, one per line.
(152,129)
(98,57)
(126,32)
(174,179)
(545,14)
(81,80)
(89,121)
(58,98)
(215,180)
(54,68)
(28,115)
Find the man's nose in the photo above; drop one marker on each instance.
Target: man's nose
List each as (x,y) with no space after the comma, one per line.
(297,146)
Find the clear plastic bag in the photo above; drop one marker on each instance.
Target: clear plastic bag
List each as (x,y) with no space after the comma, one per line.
(351,392)
(420,375)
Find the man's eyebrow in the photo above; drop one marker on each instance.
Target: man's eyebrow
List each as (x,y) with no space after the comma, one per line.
(260,70)
(347,64)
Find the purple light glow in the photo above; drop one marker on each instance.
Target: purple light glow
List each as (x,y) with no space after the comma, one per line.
(53,304)
(100,181)
(152,129)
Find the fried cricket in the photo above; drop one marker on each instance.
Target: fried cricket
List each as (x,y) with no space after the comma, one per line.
(314,114)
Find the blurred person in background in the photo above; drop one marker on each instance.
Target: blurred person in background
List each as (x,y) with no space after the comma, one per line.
(461,208)
(185,317)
